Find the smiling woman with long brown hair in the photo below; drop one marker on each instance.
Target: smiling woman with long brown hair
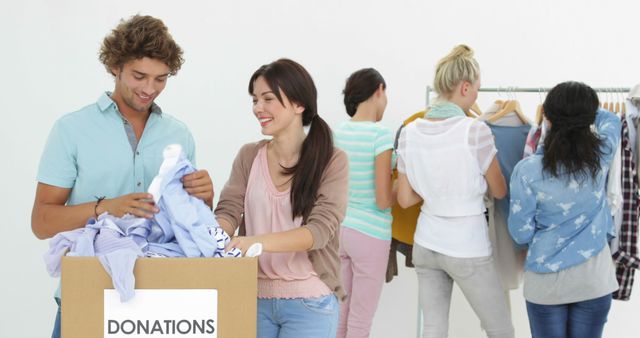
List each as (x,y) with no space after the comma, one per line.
(289,193)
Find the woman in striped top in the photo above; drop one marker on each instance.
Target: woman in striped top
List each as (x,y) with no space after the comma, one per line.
(365,235)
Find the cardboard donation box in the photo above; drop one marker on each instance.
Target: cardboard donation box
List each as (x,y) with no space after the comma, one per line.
(175,297)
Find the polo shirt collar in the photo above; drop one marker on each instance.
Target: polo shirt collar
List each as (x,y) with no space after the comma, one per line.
(105,102)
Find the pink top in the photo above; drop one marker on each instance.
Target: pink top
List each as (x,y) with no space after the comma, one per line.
(267,210)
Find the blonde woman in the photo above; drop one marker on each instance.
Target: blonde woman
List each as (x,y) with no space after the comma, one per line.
(448,161)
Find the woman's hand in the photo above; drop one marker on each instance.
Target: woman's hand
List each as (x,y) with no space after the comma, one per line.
(242,243)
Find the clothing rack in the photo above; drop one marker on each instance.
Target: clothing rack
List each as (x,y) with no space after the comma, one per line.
(507,91)
(540,90)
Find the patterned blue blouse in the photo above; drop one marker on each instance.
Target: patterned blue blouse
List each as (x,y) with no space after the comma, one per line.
(564,221)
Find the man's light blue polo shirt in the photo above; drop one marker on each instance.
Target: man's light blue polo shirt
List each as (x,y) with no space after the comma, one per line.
(89,152)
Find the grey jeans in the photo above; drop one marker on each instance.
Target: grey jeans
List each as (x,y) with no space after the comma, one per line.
(476,277)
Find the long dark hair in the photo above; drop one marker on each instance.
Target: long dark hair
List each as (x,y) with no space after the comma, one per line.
(360,86)
(296,84)
(570,147)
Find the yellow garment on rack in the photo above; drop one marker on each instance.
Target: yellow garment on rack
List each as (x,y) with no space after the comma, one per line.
(404,221)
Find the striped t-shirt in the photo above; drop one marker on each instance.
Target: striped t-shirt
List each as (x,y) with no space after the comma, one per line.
(363,141)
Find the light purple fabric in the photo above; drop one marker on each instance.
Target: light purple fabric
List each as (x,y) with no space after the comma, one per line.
(107,239)
(184,227)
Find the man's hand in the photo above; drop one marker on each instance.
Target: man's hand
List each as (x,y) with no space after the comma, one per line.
(198,184)
(138,204)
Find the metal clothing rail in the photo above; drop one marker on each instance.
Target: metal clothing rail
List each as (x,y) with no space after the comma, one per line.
(540,90)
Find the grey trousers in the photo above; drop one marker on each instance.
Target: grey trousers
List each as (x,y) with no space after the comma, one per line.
(476,277)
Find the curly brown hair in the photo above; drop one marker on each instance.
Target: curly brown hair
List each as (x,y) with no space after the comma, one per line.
(139,37)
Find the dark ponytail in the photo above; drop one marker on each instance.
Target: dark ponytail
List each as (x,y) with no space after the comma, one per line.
(317,149)
(359,88)
(570,147)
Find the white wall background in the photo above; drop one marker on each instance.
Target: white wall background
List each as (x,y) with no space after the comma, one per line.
(48,55)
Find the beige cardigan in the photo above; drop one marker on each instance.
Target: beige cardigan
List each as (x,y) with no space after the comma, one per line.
(323,222)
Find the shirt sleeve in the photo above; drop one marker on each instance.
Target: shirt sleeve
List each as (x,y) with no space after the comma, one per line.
(58,165)
(231,203)
(384,141)
(331,203)
(190,148)
(482,145)
(402,144)
(608,126)
(522,205)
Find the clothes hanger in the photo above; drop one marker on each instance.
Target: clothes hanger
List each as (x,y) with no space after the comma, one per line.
(612,104)
(474,111)
(492,108)
(510,106)
(606,103)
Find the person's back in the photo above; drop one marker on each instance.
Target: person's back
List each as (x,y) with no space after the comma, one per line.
(565,208)
(559,210)
(449,151)
(365,235)
(363,141)
(448,161)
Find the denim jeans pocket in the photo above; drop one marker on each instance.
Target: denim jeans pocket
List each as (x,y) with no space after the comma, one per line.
(324,305)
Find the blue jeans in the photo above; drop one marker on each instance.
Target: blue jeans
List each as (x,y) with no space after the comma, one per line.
(56,325)
(298,317)
(584,319)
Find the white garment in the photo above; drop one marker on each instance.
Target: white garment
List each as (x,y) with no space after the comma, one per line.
(445,162)
(509,260)
(614,183)
(634,93)
(453,184)
(632,116)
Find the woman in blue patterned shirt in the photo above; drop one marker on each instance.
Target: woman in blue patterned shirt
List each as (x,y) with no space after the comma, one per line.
(559,209)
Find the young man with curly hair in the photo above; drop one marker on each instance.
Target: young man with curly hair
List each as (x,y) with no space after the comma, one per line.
(103,157)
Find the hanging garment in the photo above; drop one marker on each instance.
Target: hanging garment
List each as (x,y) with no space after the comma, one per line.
(404,221)
(632,115)
(533,138)
(614,194)
(510,142)
(626,257)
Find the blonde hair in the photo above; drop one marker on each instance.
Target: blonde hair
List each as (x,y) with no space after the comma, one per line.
(454,68)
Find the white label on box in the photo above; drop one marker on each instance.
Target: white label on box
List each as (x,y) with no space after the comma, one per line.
(170,313)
